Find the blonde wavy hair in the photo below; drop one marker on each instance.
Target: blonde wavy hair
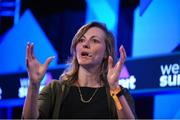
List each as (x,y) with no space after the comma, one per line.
(71,73)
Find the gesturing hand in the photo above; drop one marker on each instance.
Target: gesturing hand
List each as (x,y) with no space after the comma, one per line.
(36,70)
(114,71)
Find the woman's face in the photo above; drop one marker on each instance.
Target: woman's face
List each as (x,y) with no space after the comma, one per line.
(91,47)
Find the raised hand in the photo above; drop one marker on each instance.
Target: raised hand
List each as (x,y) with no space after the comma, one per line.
(114,71)
(36,70)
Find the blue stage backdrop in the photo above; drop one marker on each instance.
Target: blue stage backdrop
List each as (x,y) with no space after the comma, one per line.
(148,29)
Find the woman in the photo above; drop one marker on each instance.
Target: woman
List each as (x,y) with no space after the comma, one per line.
(88,88)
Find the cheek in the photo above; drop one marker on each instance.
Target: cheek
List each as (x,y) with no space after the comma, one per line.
(100,52)
(77,49)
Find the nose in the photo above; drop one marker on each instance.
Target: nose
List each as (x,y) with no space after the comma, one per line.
(86,44)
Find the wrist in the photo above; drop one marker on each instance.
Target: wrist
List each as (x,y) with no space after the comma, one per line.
(116,91)
(115,94)
(113,86)
(34,86)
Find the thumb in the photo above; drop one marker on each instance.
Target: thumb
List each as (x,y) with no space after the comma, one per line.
(48,61)
(110,62)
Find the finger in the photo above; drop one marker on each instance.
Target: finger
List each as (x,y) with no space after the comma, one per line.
(110,62)
(27,50)
(121,61)
(123,51)
(27,64)
(48,61)
(118,67)
(122,54)
(32,50)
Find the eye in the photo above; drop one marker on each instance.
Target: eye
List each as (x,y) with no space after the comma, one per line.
(95,40)
(81,40)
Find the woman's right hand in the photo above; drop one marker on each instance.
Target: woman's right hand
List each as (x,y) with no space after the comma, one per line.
(36,70)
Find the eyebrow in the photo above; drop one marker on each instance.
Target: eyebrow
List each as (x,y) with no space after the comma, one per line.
(93,37)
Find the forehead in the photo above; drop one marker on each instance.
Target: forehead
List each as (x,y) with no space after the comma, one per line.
(95,31)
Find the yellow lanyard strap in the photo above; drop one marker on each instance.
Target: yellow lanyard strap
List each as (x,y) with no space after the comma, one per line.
(115,97)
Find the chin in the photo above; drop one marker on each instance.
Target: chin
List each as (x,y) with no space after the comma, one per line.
(88,65)
(84,63)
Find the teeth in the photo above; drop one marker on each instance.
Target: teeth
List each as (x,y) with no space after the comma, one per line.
(90,55)
(86,54)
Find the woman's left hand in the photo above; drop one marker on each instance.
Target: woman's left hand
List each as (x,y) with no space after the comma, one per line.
(114,71)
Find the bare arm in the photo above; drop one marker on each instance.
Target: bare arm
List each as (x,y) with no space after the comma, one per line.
(30,109)
(113,76)
(126,110)
(123,102)
(36,73)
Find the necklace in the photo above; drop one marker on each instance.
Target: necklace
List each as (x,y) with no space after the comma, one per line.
(82,99)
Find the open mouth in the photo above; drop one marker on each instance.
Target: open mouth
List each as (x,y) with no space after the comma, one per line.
(86,54)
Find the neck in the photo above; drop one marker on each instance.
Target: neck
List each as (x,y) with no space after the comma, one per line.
(89,77)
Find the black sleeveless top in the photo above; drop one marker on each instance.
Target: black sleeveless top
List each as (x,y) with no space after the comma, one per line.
(73,107)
